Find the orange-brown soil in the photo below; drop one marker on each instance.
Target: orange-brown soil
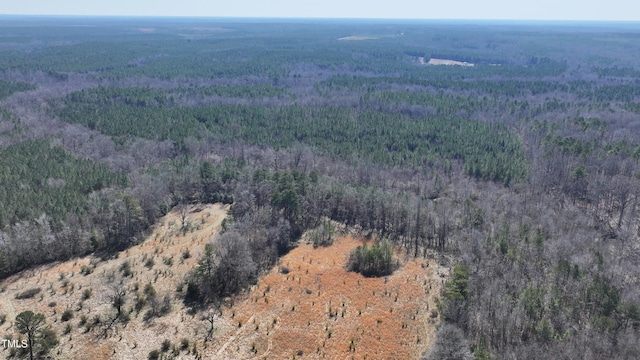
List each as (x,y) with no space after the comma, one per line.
(318,310)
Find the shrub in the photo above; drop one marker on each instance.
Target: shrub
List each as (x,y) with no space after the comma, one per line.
(28,294)
(157,308)
(86,293)
(125,317)
(149,290)
(140,303)
(154,355)
(168,261)
(166,345)
(125,268)
(184,344)
(86,270)
(67,315)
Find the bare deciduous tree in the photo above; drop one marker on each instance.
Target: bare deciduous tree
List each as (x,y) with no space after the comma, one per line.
(450,344)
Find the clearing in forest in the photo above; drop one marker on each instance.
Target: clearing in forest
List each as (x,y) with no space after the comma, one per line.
(76,296)
(434,61)
(358,38)
(310,307)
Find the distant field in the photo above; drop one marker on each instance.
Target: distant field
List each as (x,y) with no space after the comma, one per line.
(358,37)
(433,61)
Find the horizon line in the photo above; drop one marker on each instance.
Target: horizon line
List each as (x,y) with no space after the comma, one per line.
(128,16)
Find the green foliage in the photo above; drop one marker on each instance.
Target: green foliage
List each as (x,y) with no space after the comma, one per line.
(9,87)
(441,82)
(566,269)
(532,299)
(373,261)
(608,93)
(38,178)
(573,146)
(477,218)
(589,123)
(254,90)
(41,339)
(27,322)
(7,116)
(602,297)
(206,264)
(323,234)
(86,270)
(616,71)
(458,287)
(184,344)
(544,330)
(288,201)
(290,188)
(481,352)
(212,182)
(490,151)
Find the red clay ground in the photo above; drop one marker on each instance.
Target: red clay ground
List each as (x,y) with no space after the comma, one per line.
(320,311)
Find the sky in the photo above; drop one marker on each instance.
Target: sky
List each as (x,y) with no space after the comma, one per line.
(587,10)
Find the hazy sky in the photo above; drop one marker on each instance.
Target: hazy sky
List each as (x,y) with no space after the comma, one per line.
(417,9)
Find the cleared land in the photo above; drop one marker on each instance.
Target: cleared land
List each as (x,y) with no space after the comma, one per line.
(312,306)
(308,305)
(159,261)
(358,37)
(433,61)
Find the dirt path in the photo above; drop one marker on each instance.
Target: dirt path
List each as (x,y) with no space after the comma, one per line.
(233,338)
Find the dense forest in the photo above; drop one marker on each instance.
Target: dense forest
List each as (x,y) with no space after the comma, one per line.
(521,173)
